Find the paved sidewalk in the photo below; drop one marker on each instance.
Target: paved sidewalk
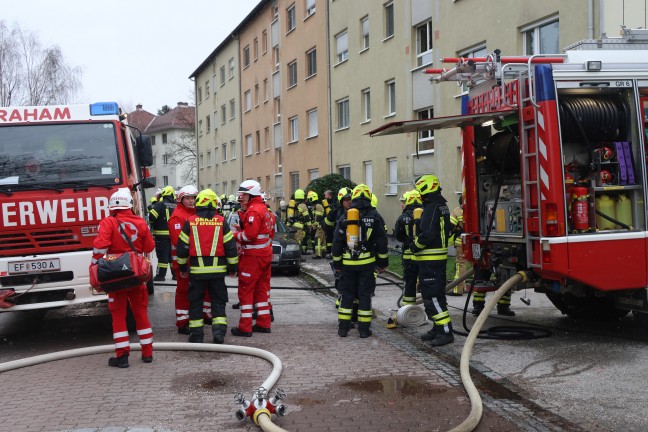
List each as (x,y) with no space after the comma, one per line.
(389,382)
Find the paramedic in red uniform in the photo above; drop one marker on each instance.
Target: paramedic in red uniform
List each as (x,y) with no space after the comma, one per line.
(254,234)
(186,207)
(110,240)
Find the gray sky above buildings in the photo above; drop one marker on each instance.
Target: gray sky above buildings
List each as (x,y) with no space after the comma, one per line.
(131,51)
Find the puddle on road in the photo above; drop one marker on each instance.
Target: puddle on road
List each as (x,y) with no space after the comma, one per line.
(394,386)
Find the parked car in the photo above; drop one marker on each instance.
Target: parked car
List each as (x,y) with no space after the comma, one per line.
(286,251)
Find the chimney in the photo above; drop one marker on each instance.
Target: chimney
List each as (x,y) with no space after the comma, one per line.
(183,104)
(138,107)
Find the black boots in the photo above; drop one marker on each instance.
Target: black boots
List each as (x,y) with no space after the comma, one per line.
(343,328)
(442,339)
(219,332)
(237,332)
(504,309)
(257,329)
(119,362)
(430,335)
(183,330)
(196,335)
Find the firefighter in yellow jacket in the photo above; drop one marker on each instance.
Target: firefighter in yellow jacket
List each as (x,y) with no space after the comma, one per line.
(317,228)
(302,221)
(461,264)
(208,246)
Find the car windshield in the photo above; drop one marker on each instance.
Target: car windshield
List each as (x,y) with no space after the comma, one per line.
(280,226)
(69,153)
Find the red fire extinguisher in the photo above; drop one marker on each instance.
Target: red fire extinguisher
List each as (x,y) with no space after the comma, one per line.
(580,208)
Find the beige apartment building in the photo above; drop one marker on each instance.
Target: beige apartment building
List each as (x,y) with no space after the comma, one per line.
(218,119)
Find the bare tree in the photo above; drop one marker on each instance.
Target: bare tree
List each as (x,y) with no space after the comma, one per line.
(183,149)
(31,74)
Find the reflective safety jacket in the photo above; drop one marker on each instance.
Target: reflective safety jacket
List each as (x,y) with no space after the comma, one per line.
(207,244)
(111,240)
(371,250)
(431,243)
(256,229)
(176,223)
(404,229)
(456,219)
(317,215)
(332,219)
(302,219)
(160,214)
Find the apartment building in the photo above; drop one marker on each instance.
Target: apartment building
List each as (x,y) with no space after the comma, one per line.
(170,133)
(218,125)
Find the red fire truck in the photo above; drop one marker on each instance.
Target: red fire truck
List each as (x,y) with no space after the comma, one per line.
(58,167)
(554,152)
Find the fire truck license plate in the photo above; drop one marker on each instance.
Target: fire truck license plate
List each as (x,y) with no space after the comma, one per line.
(36,266)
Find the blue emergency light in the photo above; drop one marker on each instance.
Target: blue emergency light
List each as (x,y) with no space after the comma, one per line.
(104,108)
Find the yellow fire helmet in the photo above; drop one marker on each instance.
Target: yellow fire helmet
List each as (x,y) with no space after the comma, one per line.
(312,196)
(206,198)
(374,201)
(344,193)
(300,195)
(167,191)
(361,191)
(413,197)
(428,183)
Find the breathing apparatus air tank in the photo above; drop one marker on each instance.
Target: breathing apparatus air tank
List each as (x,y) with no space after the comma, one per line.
(290,212)
(623,209)
(353,228)
(417,217)
(604,204)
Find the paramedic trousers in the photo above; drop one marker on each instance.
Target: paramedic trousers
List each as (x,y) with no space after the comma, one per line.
(356,284)
(254,290)
(432,279)
(118,302)
(163,253)
(217,291)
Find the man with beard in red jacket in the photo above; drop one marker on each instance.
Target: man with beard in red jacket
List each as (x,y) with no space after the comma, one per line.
(254,234)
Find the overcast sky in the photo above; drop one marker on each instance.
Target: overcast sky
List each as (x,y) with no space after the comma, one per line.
(135,51)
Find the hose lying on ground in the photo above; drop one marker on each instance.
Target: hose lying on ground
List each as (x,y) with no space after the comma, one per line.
(263,419)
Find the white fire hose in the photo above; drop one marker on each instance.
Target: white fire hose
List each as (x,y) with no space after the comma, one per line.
(262,418)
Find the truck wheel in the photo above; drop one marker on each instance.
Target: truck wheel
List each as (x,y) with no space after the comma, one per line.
(587,308)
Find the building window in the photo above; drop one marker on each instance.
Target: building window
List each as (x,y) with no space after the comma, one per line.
(294,181)
(165,159)
(342,46)
(368,174)
(310,7)
(200,128)
(165,180)
(311,62)
(223,114)
(294,129)
(391,97)
(164,138)
(389,20)
(232,149)
(152,140)
(202,161)
(266,139)
(313,174)
(248,101)
(345,171)
(246,56)
(471,53)
(265,90)
(248,145)
(392,169)
(290,19)
(364,26)
(275,54)
(222,76)
(264,41)
(312,123)
(206,89)
(225,187)
(425,140)
(199,94)
(343,114)
(209,158)
(208,119)
(256,49)
(256,95)
(232,110)
(366,105)
(224,152)
(543,38)
(424,44)
(292,74)
(258,142)
(231,68)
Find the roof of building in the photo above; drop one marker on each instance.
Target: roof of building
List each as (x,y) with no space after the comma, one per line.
(182,116)
(140,118)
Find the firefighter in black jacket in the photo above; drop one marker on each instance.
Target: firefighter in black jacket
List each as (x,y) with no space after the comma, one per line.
(357,257)
(207,245)
(430,253)
(404,233)
(159,220)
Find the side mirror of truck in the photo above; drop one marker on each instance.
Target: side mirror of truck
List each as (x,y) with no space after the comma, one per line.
(149,182)
(144,150)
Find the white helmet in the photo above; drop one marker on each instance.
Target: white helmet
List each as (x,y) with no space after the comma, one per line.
(282,204)
(189,190)
(121,200)
(251,187)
